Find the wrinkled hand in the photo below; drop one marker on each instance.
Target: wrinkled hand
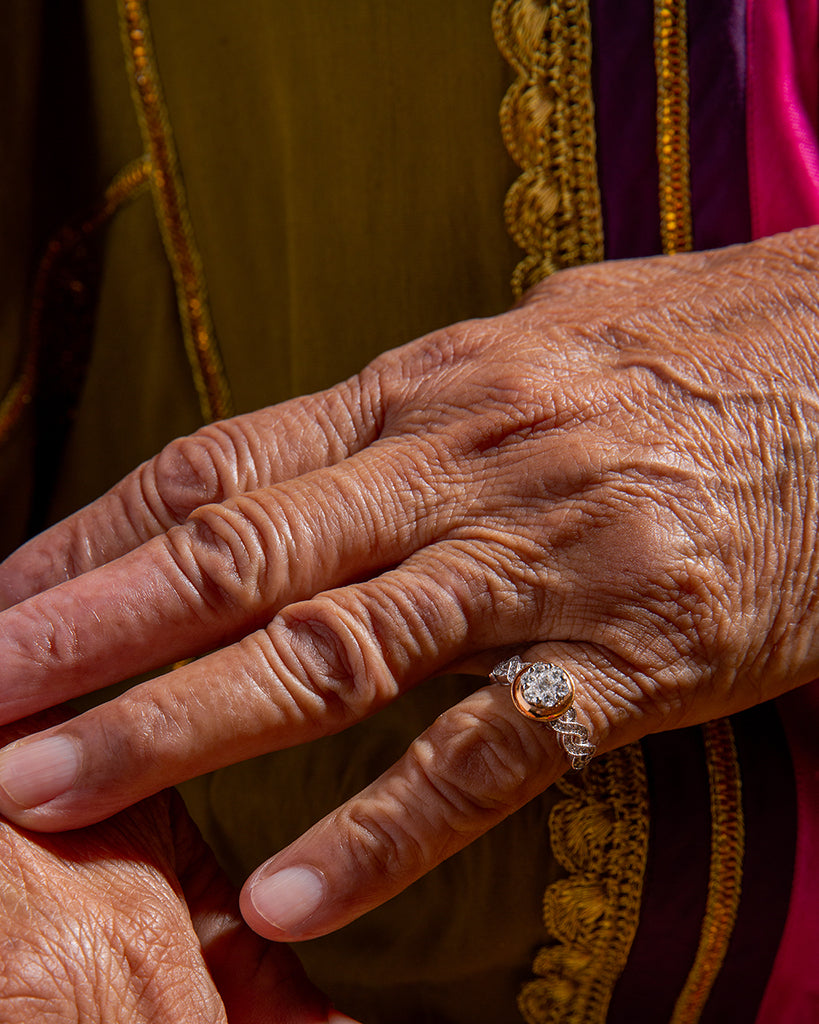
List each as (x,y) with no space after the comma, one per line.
(131,920)
(619,476)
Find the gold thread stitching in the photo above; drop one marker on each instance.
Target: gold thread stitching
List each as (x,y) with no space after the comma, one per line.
(725,877)
(671,62)
(553,209)
(126,186)
(169,197)
(599,834)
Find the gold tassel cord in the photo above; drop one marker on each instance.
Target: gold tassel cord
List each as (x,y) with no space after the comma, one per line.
(131,182)
(671,63)
(171,204)
(725,877)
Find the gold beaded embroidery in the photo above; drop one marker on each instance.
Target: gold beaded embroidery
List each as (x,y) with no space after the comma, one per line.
(553,209)
(131,182)
(725,877)
(169,197)
(599,834)
(671,62)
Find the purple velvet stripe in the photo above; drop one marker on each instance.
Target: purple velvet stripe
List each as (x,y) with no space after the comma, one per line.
(769,806)
(625,99)
(676,879)
(675,886)
(719,167)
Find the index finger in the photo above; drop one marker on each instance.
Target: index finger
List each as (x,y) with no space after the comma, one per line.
(219,461)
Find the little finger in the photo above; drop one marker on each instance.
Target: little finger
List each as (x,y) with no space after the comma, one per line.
(220,461)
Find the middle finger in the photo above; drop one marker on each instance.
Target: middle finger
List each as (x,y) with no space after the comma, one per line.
(320,666)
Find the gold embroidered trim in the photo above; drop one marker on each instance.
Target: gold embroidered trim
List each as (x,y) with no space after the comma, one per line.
(671,62)
(169,197)
(127,185)
(599,834)
(725,878)
(553,210)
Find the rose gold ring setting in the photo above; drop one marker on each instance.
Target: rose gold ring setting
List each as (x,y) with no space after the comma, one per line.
(545,693)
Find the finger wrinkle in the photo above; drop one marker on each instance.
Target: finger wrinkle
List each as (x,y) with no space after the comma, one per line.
(486,581)
(365,398)
(74,557)
(339,428)
(397,495)
(482,765)
(223,553)
(184,476)
(283,708)
(157,723)
(385,638)
(380,845)
(405,613)
(335,664)
(46,638)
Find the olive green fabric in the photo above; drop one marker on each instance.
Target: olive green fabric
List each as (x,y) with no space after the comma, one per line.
(454,947)
(345,177)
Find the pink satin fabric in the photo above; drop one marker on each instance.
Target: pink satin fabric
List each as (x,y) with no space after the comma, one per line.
(792,993)
(783,167)
(783,114)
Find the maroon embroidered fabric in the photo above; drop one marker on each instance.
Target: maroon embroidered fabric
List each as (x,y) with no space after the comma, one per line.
(753,71)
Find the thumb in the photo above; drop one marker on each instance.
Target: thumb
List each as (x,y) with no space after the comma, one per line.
(259,982)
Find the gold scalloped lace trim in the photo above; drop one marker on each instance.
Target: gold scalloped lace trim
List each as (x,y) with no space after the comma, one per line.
(725,877)
(172,209)
(599,834)
(126,186)
(671,62)
(553,209)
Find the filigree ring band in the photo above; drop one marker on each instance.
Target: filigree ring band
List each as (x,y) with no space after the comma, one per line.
(545,692)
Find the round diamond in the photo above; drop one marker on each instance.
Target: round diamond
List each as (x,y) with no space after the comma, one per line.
(544,686)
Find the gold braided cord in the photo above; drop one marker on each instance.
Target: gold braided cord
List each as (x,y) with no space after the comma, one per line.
(131,182)
(599,834)
(725,878)
(671,62)
(553,209)
(171,204)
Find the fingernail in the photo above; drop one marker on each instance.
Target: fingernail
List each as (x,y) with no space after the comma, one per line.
(36,772)
(287,898)
(340,1018)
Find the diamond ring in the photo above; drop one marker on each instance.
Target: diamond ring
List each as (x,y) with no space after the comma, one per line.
(545,692)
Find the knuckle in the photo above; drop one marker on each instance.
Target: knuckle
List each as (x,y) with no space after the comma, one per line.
(399,371)
(44,636)
(223,551)
(380,846)
(340,664)
(164,720)
(481,767)
(190,472)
